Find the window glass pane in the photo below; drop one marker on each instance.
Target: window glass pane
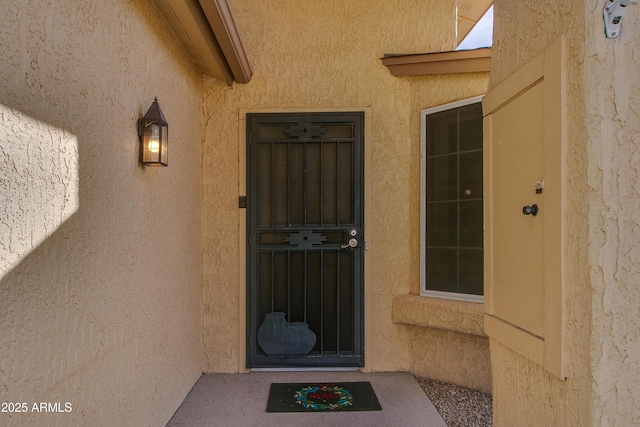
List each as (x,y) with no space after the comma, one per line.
(471,224)
(471,127)
(471,271)
(471,175)
(442,224)
(442,178)
(442,269)
(442,132)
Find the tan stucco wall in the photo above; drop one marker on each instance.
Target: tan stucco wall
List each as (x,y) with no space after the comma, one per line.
(100,258)
(613,127)
(447,340)
(602,223)
(327,55)
(451,351)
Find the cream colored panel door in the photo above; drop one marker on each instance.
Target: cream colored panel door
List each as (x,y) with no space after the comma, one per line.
(518,240)
(525,146)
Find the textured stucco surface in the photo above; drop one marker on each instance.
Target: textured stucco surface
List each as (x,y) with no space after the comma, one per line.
(452,357)
(457,316)
(447,340)
(602,224)
(327,55)
(456,355)
(613,126)
(100,258)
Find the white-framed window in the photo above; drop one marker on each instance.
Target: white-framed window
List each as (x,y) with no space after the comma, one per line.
(451,233)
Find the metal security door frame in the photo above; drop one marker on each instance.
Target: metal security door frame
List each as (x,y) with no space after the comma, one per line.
(252,228)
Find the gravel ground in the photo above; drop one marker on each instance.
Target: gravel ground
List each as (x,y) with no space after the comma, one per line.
(459,406)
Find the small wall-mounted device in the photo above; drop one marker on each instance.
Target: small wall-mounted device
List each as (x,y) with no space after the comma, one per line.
(613,13)
(539,185)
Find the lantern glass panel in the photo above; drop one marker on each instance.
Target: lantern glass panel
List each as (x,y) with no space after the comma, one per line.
(164,144)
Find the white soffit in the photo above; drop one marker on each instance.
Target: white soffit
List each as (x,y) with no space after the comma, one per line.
(469,13)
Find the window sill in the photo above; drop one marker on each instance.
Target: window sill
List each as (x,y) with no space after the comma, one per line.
(449,315)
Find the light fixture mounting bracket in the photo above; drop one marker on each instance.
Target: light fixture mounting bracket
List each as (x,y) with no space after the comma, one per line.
(613,12)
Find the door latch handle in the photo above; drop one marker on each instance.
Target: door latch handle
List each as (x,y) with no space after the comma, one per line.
(352,244)
(530,210)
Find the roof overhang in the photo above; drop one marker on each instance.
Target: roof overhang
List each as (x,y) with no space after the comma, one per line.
(460,61)
(469,13)
(208,33)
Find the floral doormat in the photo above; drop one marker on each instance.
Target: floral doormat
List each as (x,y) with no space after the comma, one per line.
(322,397)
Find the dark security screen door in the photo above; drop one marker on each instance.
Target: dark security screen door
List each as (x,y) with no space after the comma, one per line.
(305,235)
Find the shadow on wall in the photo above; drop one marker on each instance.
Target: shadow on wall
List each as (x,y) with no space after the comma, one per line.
(40,193)
(39,183)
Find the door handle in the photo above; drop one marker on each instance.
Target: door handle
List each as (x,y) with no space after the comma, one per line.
(530,210)
(352,244)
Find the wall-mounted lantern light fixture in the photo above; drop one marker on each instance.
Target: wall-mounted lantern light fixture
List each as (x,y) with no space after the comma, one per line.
(153,131)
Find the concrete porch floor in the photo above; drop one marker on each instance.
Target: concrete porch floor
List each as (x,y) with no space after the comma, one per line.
(229,400)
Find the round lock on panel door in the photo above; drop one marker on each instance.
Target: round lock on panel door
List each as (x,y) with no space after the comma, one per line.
(351,244)
(531,210)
